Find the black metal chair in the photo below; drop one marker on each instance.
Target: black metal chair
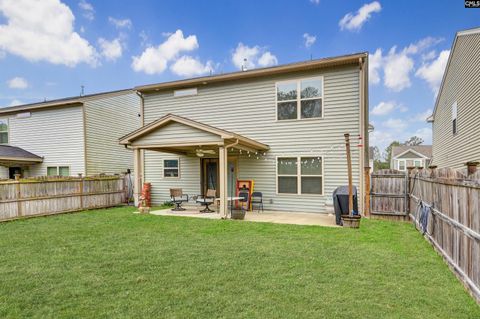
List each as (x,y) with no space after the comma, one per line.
(257,200)
(178,198)
(207,200)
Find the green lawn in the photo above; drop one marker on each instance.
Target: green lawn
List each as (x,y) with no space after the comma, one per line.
(112,263)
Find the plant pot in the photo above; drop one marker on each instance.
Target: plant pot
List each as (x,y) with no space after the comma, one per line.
(238,214)
(351,221)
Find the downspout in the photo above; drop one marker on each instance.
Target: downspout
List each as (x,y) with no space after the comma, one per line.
(85,153)
(142,123)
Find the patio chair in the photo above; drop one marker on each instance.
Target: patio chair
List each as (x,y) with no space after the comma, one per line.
(244,201)
(178,198)
(207,200)
(257,200)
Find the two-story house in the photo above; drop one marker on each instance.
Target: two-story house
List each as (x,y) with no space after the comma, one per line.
(69,136)
(282,127)
(455,119)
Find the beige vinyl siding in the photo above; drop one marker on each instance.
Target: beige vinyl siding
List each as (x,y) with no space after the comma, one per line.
(3,172)
(55,134)
(106,120)
(181,133)
(248,108)
(461,84)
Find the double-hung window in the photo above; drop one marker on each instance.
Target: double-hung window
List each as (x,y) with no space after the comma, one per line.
(3,131)
(58,171)
(300,175)
(171,168)
(300,99)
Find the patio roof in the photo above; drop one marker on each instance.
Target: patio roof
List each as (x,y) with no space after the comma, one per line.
(201,135)
(12,155)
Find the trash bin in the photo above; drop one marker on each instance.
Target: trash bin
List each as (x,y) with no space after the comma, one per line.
(340,202)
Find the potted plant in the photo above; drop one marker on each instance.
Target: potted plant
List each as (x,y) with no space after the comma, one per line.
(238,214)
(351,220)
(142,206)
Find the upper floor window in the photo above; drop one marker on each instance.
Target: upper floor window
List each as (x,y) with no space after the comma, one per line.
(300,99)
(3,131)
(454,118)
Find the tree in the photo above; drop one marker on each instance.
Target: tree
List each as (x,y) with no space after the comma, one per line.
(414,140)
(388,151)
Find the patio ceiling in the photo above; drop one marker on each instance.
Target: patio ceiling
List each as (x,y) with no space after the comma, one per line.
(180,135)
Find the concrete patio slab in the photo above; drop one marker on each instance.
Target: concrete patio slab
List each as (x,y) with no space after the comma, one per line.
(277,217)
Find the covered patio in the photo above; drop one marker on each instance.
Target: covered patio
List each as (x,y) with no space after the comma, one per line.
(15,160)
(182,136)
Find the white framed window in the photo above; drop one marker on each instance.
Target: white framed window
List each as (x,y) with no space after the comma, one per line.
(417,163)
(454,118)
(185,92)
(58,171)
(401,165)
(300,175)
(171,168)
(3,131)
(300,99)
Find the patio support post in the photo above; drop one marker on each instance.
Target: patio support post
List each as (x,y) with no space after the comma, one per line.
(137,170)
(222,154)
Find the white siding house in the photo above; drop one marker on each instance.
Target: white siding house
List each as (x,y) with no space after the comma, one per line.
(455,118)
(405,156)
(282,127)
(71,136)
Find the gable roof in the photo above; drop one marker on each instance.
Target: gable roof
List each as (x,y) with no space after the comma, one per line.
(13,153)
(422,150)
(64,102)
(351,59)
(172,118)
(431,118)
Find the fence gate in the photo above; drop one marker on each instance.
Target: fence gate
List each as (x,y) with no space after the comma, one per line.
(388,195)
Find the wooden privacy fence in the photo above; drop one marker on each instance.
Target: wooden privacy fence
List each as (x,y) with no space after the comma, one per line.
(388,195)
(451,219)
(36,197)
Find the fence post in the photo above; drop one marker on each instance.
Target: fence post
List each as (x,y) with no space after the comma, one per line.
(18,195)
(81,190)
(408,190)
(471,167)
(366,206)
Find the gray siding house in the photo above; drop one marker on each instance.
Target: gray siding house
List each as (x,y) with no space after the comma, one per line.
(456,120)
(69,136)
(282,127)
(405,156)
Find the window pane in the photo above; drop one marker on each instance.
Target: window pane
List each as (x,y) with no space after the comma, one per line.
(287,110)
(401,165)
(170,172)
(287,184)
(3,138)
(287,166)
(170,163)
(52,171)
(311,166)
(287,91)
(311,88)
(3,126)
(64,171)
(311,108)
(311,185)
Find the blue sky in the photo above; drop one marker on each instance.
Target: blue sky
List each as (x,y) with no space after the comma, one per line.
(49,48)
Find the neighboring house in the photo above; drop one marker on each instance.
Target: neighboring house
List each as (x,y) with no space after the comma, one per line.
(405,156)
(456,120)
(282,127)
(68,136)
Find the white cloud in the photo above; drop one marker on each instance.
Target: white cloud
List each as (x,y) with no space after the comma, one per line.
(190,66)
(43,31)
(397,69)
(87,8)
(15,102)
(17,83)
(395,124)
(425,133)
(374,65)
(254,56)
(422,45)
(154,60)
(111,50)
(422,116)
(355,21)
(315,1)
(267,59)
(433,72)
(309,39)
(384,108)
(120,23)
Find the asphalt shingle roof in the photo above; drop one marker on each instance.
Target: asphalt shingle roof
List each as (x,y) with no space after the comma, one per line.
(13,151)
(422,149)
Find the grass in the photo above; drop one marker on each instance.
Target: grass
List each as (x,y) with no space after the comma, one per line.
(112,263)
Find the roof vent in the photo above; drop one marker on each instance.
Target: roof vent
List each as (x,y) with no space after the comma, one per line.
(244,65)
